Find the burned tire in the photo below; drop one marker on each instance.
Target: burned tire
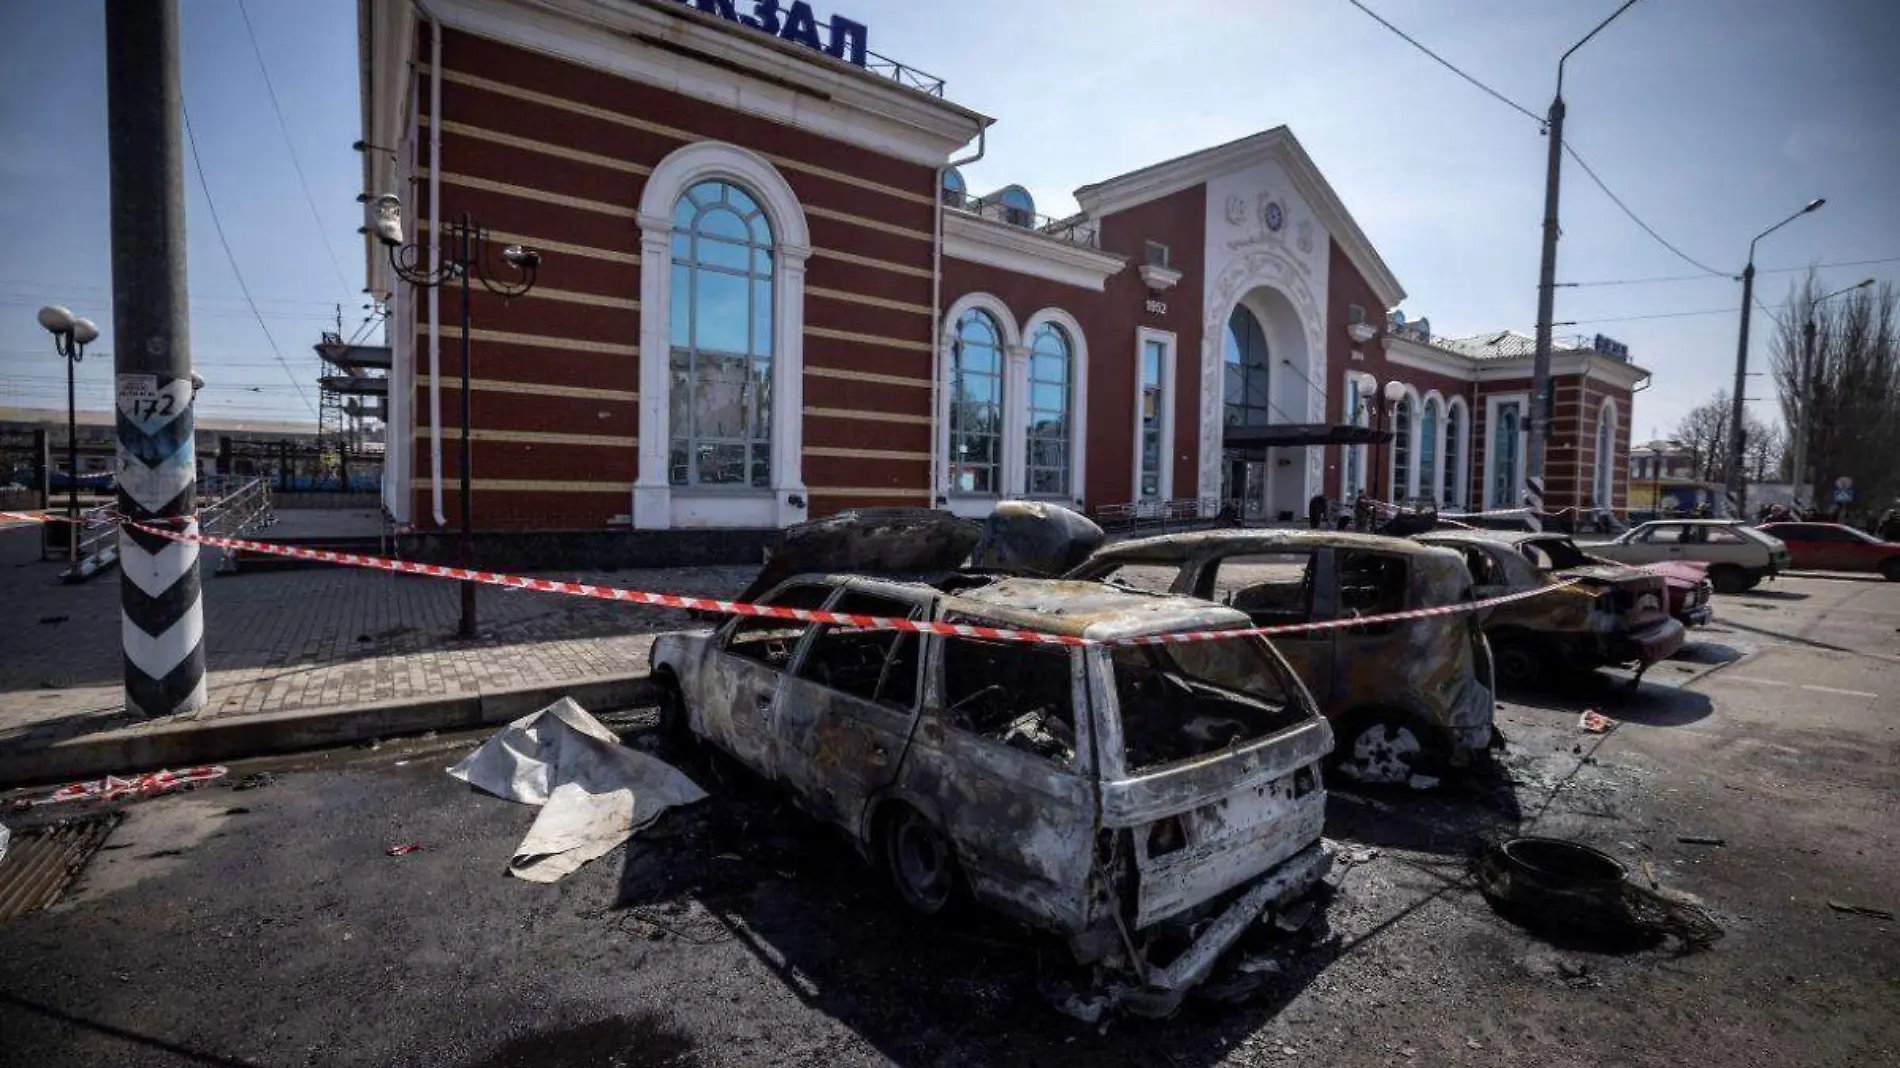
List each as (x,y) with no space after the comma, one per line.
(1727,578)
(676,729)
(917,860)
(1516,662)
(1891,570)
(1387,748)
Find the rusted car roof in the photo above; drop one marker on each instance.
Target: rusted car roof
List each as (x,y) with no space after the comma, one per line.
(1089,609)
(1174,546)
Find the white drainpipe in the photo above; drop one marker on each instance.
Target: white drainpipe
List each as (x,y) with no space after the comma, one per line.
(435,263)
(937,485)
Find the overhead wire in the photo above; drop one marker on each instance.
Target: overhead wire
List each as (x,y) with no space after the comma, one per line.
(1704,277)
(1544,124)
(191,141)
(270,90)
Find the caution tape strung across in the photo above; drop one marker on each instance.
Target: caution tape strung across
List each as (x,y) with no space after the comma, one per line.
(804,615)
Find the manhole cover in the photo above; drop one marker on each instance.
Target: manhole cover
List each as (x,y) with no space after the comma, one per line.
(43,861)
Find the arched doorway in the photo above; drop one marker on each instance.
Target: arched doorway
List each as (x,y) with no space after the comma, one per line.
(1263,354)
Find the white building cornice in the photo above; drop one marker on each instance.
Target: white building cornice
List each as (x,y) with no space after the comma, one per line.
(1024,251)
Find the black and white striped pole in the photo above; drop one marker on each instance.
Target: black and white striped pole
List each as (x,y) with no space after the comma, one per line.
(161,607)
(1534,501)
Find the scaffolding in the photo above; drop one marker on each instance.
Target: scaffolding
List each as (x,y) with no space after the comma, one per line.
(356,390)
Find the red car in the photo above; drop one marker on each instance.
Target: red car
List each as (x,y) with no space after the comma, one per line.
(1691,595)
(1834,547)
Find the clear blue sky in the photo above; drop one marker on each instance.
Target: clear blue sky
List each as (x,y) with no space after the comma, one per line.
(1712,119)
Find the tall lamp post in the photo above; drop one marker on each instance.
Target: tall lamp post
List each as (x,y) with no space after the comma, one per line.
(1736,444)
(467,256)
(1547,274)
(1393,393)
(1804,389)
(71,335)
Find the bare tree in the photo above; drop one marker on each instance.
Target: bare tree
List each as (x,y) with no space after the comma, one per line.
(1852,384)
(1764,450)
(1704,431)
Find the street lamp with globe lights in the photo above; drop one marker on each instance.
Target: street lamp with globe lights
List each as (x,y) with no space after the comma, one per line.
(1393,393)
(71,335)
(465,257)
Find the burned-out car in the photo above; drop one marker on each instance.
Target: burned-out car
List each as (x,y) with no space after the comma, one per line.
(1406,698)
(1611,615)
(1147,802)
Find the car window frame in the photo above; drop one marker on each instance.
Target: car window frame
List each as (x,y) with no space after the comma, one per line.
(722,638)
(795,667)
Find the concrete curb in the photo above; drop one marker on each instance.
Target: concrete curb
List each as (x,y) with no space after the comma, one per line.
(176,745)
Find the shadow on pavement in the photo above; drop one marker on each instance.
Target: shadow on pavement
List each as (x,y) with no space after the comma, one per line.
(143,1041)
(1652,703)
(1451,819)
(747,868)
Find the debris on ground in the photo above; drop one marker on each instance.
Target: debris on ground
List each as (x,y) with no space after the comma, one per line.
(594,793)
(114,788)
(53,619)
(255,780)
(6,837)
(1700,839)
(405,849)
(1861,910)
(1595,722)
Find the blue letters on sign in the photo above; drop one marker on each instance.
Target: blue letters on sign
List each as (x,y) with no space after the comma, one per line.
(847,40)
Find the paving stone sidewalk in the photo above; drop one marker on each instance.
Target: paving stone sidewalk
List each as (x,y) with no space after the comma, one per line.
(304,640)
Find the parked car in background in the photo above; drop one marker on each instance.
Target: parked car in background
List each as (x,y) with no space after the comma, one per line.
(1612,615)
(1739,556)
(1836,547)
(1406,698)
(1146,802)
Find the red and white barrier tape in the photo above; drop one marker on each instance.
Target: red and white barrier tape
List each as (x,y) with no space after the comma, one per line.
(807,615)
(112,788)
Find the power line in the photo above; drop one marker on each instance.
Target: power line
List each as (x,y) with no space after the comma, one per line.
(284,128)
(191,140)
(1447,64)
(1648,229)
(1704,277)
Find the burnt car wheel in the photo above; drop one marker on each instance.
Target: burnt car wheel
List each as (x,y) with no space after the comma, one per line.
(918,861)
(1516,662)
(1727,578)
(1388,749)
(675,727)
(1891,569)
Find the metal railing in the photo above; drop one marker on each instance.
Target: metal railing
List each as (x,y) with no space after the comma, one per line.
(1160,516)
(1074,230)
(98,536)
(241,506)
(906,76)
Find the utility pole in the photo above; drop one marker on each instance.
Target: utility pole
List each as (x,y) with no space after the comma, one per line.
(1539,429)
(1737,435)
(154,386)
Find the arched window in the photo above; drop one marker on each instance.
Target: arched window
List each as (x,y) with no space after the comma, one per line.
(1428,425)
(1504,449)
(1604,490)
(1246,368)
(976,406)
(1051,376)
(1452,492)
(1355,454)
(1401,449)
(721,339)
(954,191)
(1019,209)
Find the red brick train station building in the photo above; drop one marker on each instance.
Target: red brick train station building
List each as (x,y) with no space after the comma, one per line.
(766,295)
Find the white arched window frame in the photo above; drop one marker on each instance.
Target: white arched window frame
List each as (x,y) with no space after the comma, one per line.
(1431,452)
(1014,413)
(1402,455)
(1353,461)
(1603,486)
(657,504)
(1455,456)
(1078,394)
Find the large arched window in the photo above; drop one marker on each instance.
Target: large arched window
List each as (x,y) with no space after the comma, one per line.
(721,339)
(976,405)
(1355,459)
(1051,392)
(1604,490)
(1452,491)
(1247,366)
(1019,208)
(1428,427)
(1396,489)
(1504,469)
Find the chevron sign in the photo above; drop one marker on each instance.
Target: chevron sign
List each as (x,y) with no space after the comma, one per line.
(160,599)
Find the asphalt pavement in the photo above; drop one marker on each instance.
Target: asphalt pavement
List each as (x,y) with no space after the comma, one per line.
(269,925)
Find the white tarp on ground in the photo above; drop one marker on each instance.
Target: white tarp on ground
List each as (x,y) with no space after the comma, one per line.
(594,792)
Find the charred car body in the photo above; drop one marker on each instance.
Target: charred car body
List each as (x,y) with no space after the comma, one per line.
(1146,802)
(1405,697)
(1612,615)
